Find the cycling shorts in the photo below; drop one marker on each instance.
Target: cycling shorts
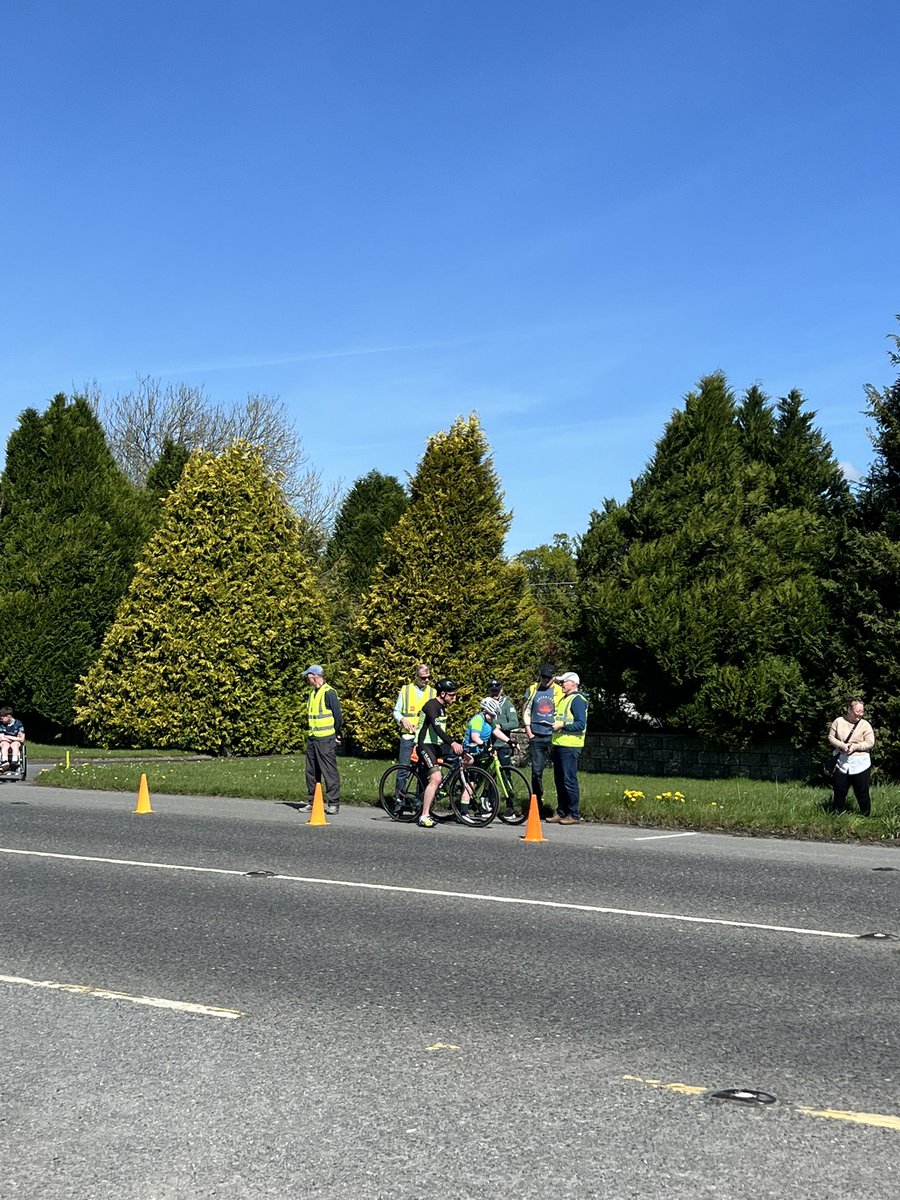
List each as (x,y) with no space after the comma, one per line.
(431,755)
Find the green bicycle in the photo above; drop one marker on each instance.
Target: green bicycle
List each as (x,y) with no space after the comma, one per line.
(513,788)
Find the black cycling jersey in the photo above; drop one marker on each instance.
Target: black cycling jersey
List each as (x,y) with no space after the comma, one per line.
(431,725)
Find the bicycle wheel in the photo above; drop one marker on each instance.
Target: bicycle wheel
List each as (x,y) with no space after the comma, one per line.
(473,796)
(515,796)
(400,793)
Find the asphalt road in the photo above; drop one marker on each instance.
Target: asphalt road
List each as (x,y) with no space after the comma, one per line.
(552,1028)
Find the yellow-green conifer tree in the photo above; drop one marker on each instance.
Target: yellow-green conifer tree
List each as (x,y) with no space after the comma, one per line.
(443,593)
(207,648)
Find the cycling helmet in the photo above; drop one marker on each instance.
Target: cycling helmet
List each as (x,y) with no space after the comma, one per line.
(490,706)
(495,686)
(447,685)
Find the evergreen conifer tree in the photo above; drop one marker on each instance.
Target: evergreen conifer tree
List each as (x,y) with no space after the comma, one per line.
(166,471)
(879,497)
(208,647)
(374,504)
(870,576)
(705,597)
(72,526)
(443,592)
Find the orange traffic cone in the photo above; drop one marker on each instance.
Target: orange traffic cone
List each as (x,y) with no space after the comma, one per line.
(533,827)
(317,816)
(143,800)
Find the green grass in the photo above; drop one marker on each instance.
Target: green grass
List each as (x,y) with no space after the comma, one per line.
(726,805)
(49,752)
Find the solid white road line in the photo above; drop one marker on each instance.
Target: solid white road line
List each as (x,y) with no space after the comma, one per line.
(203,1010)
(416,891)
(657,837)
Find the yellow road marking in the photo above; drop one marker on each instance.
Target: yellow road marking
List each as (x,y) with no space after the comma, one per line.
(881,1120)
(81,989)
(685,1089)
(860,1118)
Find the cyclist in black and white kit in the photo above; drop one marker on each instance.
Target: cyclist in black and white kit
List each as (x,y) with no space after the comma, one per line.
(434,742)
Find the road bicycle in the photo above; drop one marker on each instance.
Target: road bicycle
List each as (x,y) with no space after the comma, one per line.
(465,792)
(513,787)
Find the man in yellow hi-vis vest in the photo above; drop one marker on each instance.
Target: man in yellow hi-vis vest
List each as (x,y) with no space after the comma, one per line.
(568,740)
(411,699)
(324,712)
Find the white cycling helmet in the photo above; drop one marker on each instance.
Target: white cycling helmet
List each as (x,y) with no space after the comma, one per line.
(491,706)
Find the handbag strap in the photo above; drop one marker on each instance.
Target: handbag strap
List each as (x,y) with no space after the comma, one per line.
(850,734)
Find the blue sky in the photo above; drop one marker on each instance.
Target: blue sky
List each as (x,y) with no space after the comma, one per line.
(393,212)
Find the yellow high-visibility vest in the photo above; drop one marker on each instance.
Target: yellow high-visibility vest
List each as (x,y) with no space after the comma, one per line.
(321,719)
(410,704)
(564,714)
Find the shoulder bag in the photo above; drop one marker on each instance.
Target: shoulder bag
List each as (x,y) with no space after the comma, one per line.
(831,762)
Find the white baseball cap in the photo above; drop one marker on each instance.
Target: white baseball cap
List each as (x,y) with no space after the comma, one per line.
(567,677)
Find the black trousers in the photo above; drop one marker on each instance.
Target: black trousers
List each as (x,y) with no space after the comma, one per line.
(842,782)
(321,767)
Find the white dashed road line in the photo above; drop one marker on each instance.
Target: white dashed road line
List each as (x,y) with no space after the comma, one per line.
(657,837)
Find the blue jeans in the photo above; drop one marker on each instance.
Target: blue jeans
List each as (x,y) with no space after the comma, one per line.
(403,757)
(539,749)
(565,776)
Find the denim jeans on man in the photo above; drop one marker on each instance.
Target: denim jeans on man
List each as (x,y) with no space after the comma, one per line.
(539,749)
(565,776)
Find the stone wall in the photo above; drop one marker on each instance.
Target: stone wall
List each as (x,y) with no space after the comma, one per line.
(670,754)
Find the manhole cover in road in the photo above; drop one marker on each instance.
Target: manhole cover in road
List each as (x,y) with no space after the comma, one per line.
(261,874)
(744,1096)
(879,937)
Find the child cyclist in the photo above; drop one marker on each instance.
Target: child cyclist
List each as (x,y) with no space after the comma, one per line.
(483,728)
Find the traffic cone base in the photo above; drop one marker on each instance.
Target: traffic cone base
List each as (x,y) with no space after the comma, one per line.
(317,816)
(533,828)
(143,800)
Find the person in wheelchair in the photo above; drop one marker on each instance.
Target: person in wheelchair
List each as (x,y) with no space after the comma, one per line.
(12,738)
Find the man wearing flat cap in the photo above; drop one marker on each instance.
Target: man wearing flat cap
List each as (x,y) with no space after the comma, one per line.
(324,712)
(568,739)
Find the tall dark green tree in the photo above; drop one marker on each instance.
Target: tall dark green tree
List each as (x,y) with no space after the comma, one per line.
(165,473)
(704,598)
(374,505)
(208,647)
(879,496)
(870,579)
(443,591)
(72,526)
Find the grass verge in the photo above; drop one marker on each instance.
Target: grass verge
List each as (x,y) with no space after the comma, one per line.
(725,805)
(49,752)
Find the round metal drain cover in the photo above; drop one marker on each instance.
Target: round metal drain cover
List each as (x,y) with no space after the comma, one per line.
(261,874)
(744,1096)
